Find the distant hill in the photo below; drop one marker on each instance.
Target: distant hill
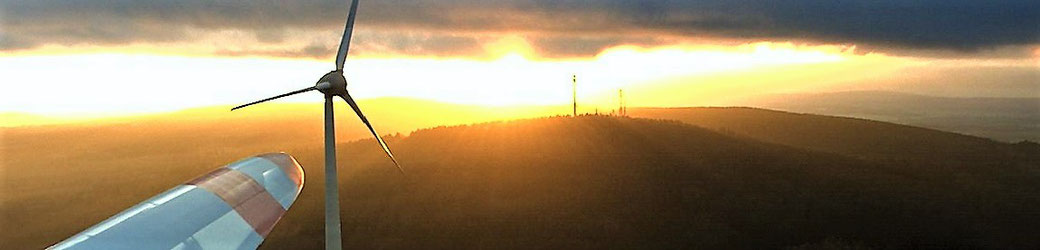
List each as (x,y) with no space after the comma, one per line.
(1005,119)
(1008,119)
(389,115)
(15,119)
(849,136)
(590,182)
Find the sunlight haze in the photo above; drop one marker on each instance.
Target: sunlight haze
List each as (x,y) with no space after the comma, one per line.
(132,82)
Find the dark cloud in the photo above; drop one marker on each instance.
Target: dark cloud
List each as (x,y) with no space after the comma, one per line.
(377,43)
(572,27)
(418,43)
(585,45)
(270,35)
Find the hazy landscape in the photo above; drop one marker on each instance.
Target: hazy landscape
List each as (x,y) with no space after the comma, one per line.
(1006,119)
(705,178)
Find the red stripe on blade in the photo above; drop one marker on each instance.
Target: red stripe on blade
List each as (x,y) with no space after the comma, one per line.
(245,195)
(289,166)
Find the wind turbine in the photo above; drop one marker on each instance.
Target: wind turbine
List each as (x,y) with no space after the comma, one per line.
(333,84)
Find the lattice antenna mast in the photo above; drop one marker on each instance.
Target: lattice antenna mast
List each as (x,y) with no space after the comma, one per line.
(574,91)
(621,102)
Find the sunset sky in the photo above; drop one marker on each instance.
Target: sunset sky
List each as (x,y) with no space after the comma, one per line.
(88,57)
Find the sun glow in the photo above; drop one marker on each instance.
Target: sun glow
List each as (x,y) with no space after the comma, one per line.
(512,48)
(128,83)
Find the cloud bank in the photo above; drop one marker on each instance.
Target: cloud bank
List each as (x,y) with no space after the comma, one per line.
(554,27)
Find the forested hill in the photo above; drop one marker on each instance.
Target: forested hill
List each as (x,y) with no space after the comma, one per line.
(589,182)
(609,182)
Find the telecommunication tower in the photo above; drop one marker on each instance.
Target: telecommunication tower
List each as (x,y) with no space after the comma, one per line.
(621,103)
(574,91)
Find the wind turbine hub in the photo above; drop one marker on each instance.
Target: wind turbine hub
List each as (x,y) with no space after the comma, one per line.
(333,83)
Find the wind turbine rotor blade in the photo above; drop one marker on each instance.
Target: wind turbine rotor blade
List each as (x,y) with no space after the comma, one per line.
(350,101)
(272,98)
(344,44)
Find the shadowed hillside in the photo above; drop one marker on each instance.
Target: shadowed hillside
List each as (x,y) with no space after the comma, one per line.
(587,182)
(602,182)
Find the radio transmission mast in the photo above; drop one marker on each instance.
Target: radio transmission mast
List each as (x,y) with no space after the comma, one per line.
(574,91)
(621,102)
